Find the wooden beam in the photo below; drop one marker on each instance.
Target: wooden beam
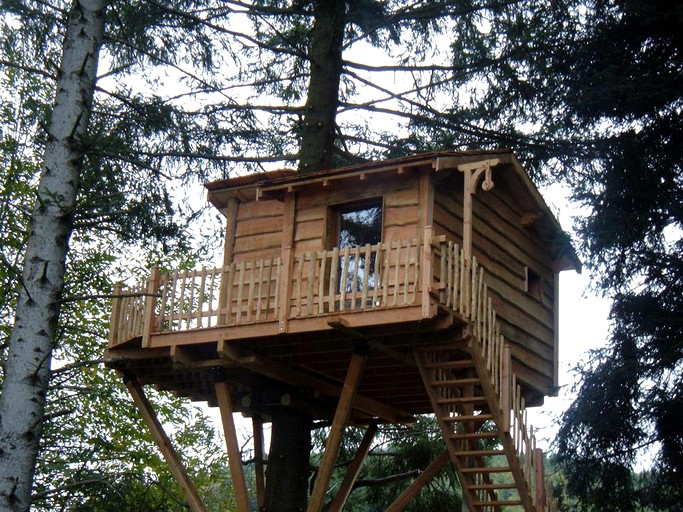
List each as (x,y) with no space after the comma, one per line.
(334,439)
(341,323)
(353,470)
(297,378)
(163,442)
(234,458)
(423,479)
(259,466)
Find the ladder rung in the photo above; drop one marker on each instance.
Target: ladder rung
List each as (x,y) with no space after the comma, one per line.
(475,453)
(480,487)
(475,435)
(486,469)
(462,345)
(446,365)
(454,382)
(501,503)
(462,400)
(468,417)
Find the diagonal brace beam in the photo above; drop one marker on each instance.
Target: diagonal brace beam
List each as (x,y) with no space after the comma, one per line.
(164,443)
(341,417)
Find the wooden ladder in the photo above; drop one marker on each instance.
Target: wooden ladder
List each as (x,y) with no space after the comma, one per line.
(474,428)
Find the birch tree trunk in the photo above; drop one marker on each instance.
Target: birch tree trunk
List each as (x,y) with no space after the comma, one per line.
(27,369)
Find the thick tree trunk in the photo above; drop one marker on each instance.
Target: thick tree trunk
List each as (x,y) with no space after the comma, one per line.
(318,132)
(27,369)
(288,462)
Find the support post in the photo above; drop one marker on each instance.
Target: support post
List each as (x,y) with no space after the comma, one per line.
(539,499)
(150,305)
(353,470)
(234,459)
(259,466)
(341,417)
(163,442)
(423,479)
(506,389)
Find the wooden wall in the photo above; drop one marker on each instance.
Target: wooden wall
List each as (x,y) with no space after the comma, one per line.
(508,251)
(258,231)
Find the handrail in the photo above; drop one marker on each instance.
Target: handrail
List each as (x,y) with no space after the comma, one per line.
(462,287)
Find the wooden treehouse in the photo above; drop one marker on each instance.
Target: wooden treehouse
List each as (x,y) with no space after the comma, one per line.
(368,294)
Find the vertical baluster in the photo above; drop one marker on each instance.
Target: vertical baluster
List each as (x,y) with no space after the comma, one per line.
(397,266)
(229,276)
(344,279)
(386,250)
(416,273)
(366,276)
(310,289)
(377,272)
(259,289)
(252,287)
(321,282)
(163,307)
(406,270)
(334,287)
(278,280)
(299,285)
(240,293)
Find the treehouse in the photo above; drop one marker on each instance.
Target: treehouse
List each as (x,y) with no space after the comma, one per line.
(368,294)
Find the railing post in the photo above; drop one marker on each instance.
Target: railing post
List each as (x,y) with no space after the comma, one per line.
(427,271)
(150,305)
(115,315)
(506,388)
(540,480)
(285,287)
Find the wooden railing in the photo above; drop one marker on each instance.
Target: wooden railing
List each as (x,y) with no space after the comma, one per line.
(461,286)
(320,282)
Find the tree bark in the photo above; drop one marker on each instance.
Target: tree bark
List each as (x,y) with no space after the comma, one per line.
(288,463)
(318,131)
(27,370)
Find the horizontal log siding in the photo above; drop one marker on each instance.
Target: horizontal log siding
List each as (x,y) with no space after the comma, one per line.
(258,233)
(504,247)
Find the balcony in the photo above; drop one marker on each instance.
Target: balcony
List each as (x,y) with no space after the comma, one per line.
(399,281)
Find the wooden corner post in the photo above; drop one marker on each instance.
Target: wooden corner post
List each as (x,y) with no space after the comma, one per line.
(175,465)
(115,315)
(150,306)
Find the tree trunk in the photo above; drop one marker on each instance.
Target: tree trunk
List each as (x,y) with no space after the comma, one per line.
(288,462)
(318,132)
(27,370)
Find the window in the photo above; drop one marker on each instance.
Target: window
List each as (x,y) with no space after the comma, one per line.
(357,227)
(534,284)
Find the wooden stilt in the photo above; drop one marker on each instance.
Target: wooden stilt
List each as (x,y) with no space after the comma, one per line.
(259,450)
(341,417)
(163,442)
(353,470)
(234,459)
(423,479)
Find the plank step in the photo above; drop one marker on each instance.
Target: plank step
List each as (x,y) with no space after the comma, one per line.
(441,347)
(462,400)
(454,382)
(475,435)
(484,487)
(467,417)
(500,503)
(478,453)
(449,365)
(487,469)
